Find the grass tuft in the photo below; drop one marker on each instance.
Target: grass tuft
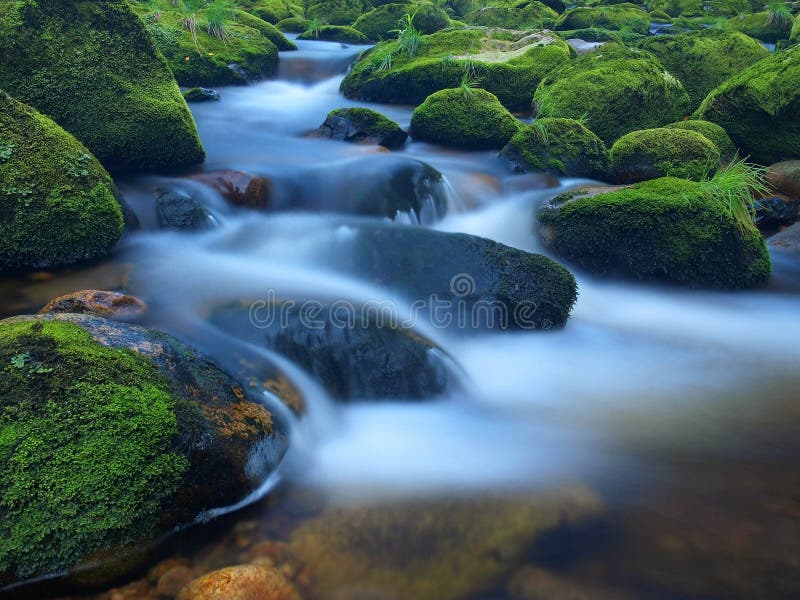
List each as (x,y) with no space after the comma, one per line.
(735,186)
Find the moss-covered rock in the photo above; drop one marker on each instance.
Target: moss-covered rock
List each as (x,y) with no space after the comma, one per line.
(662,152)
(760,108)
(615,90)
(666,229)
(363,125)
(93,69)
(794,36)
(675,8)
(702,60)
(607,17)
(533,15)
(57,202)
(713,132)
(559,146)
(509,65)
(337,12)
(272,11)
(383,22)
(110,436)
(201,94)
(334,33)
(761,26)
(242,50)
(293,24)
(464,118)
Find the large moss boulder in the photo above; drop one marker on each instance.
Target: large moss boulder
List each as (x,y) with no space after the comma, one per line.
(614,90)
(273,11)
(760,108)
(334,33)
(617,17)
(244,47)
(530,15)
(713,132)
(464,118)
(57,203)
(662,152)
(666,229)
(112,435)
(383,22)
(762,26)
(92,67)
(794,36)
(704,59)
(558,146)
(508,64)
(337,12)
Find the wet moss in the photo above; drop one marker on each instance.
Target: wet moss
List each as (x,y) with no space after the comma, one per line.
(86,435)
(666,229)
(57,203)
(337,12)
(616,18)
(335,33)
(368,124)
(759,26)
(272,11)
(559,146)
(713,132)
(661,152)
(615,89)
(533,15)
(760,108)
(93,69)
(293,24)
(704,59)
(794,36)
(472,119)
(268,30)
(383,22)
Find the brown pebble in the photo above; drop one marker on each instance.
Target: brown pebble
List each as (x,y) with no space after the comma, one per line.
(243,582)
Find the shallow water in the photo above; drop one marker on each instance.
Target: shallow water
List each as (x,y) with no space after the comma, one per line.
(678,408)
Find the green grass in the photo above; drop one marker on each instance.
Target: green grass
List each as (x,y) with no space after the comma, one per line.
(735,186)
(219,14)
(779,15)
(408,35)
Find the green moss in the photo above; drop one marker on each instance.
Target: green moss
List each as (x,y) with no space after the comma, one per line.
(266,29)
(592,34)
(560,146)
(760,108)
(509,68)
(203,59)
(713,132)
(794,36)
(616,90)
(661,152)
(93,69)
(382,22)
(272,11)
(57,202)
(702,60)
(335,33)
(758,25)
(531,16)
(86,435)
(472,119)
(372,125)
(337,12)
(666,229)
(658,16)
(674,8)
(293,24)
(607,17)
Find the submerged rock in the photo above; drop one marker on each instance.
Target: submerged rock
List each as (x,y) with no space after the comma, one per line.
(92,67)
(666,229)
(177,210)
(57,203)
(242,582)
(96,302)
(201,94)
(239,188)
(363,125)
(113,435)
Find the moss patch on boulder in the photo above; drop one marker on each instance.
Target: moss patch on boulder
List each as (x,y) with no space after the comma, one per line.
(666,229)
(57,203)
(661,152)
(559,146)
(337,12)
(760,108)
(532,15)
(335,33)
(615,89)
(383,22)
(713,132)
(617,17)
(464,118)
(363,125)
(760,26)
(93,69)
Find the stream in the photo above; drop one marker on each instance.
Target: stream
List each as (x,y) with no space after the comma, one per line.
(677,408)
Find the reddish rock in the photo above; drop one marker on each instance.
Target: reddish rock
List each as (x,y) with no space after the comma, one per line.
(243,582)
(240,188)
(96,302)
(785,178)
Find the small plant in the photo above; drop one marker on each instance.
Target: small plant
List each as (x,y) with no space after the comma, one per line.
(26,363)
(408,35)
(543,102)
(6,150)
(384,63)
(218,15)
(470,80)
(735,185)
(80,168)
(189,22)
(539,131)
(314,27)
(779,15)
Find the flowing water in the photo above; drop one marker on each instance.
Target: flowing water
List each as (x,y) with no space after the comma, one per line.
(678,408)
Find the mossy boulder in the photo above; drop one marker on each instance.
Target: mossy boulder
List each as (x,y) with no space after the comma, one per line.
(662,152)
(617,17)
(112,435)
(614,90)
(337,12)
(702,60)
(533,15)
(508,64)
(760,108)
(665,229)
(245,51)
(57,204)
(760,26)
(92,68)
(794,36)
(676,8)
(293,24)
(383,22)
(713,132)
(272,11)
(559,146)
(335,33)
(464,118)
(362,125)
